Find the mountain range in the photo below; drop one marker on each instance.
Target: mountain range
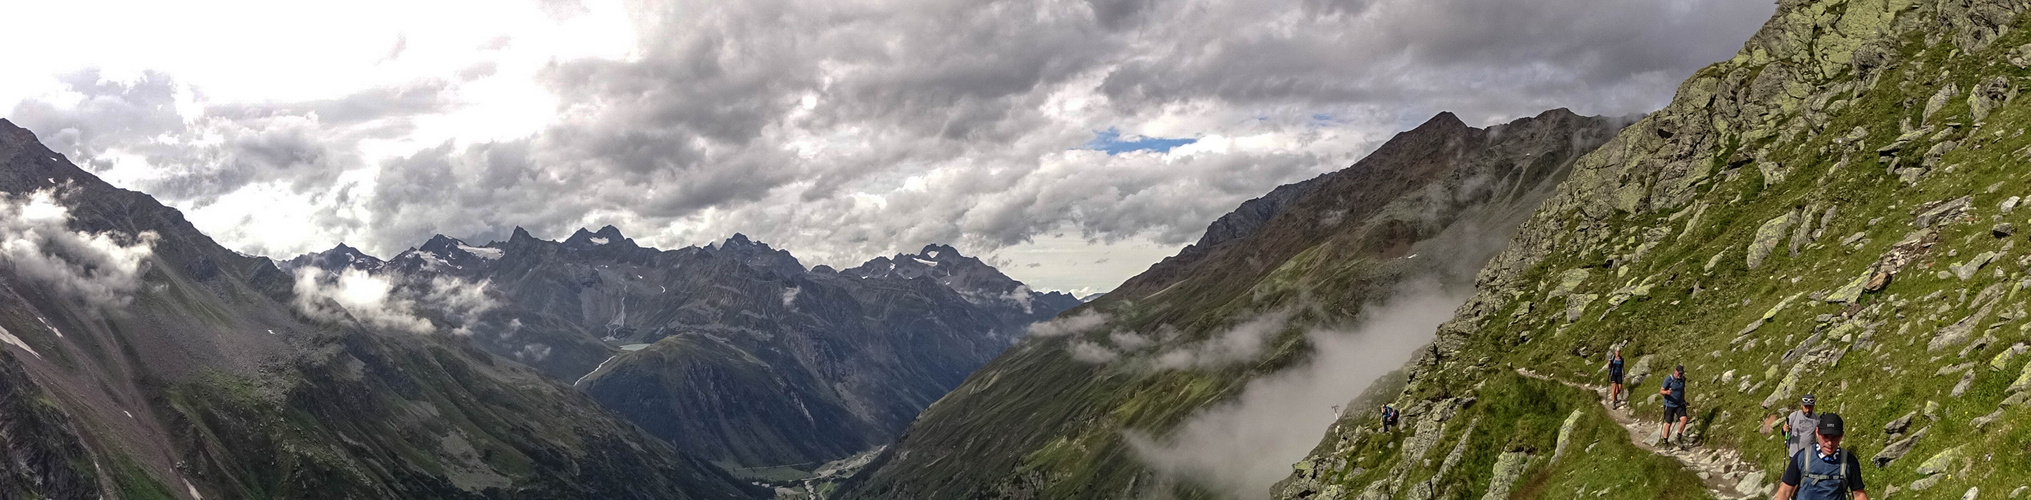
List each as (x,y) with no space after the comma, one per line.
(147,360)
(734,351)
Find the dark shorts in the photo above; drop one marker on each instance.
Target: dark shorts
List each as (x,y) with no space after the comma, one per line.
(1673,413)
(1615,378)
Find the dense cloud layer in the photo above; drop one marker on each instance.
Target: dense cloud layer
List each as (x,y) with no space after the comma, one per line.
(846,129)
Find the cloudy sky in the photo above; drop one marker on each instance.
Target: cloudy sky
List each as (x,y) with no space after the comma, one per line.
(1074,142)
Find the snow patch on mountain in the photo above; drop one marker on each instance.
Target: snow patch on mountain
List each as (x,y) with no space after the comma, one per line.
(484,252)
(9,339)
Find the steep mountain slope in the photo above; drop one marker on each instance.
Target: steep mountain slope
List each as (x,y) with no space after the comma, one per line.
(733,351)
(143,360)
(1834,211)
(1049,418)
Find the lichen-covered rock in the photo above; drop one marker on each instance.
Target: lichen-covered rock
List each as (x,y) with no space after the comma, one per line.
(1942,461)
(1508,468)
(2023,380)
(1571,280)
(1959,332)
(1566,433)
(1988,96)
(1966,270)
(1938,101)
(1767,237)
(1576,305)
(1853,290)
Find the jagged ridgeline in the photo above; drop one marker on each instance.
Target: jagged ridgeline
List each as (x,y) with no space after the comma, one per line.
(733,351)
(1836,210)
(143,360)
(1057,415)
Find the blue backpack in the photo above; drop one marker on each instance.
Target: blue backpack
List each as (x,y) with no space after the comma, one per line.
(1820,480)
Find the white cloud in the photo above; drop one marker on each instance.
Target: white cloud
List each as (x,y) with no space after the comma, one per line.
(36,241)
(1241,343)
(1069,324)
(1242,447)
(1088,352)
(391,301)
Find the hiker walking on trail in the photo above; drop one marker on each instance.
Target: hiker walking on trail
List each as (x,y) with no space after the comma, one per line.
(1799,426)
(1615,379)
(1823,471)
(1675,410)
(1389,416)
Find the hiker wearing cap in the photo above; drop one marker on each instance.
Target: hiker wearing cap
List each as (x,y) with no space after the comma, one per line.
(1675,410)
(1824,471)
(1798,427)
(1615,379)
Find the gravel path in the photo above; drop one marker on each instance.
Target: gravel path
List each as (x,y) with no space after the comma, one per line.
(1725,473)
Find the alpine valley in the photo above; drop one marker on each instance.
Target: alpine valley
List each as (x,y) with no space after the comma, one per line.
(147,361)
(1836,210)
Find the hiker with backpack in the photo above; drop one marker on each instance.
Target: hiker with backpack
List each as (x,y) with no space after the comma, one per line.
(1824,471)
(1389,416)
(1615,379)
(1798,427)
(1675,410)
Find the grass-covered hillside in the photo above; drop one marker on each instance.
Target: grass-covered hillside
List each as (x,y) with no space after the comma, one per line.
(1836,210)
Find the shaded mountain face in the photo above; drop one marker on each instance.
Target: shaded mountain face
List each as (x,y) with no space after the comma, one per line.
(733,351)
(1079,409)
(139,359)
(1836,211)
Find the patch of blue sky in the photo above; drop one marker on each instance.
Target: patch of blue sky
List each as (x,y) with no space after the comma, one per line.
(1111,142)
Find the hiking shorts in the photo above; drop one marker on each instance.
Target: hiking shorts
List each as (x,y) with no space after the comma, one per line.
(1673,413)
(1615,378)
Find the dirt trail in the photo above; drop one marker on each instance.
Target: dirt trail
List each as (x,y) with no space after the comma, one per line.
(1722,469)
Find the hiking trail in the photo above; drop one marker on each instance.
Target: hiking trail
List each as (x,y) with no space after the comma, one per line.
(1723,470)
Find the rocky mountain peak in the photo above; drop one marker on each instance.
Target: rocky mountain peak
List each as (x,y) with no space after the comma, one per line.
(338,258)
(757,255)
(441,244)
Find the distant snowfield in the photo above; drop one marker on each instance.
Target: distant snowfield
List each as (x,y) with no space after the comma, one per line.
(484,252)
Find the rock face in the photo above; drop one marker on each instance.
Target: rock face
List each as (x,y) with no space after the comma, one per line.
(1893,121)
(738,353)
(1046,419)
(175,368)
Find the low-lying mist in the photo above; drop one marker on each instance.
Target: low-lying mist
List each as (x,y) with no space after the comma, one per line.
(1243,447)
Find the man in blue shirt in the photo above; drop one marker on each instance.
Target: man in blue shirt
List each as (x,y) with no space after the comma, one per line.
(1824,472)
(1675,410)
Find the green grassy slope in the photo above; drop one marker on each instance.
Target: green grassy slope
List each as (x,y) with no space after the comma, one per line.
(1737,232)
